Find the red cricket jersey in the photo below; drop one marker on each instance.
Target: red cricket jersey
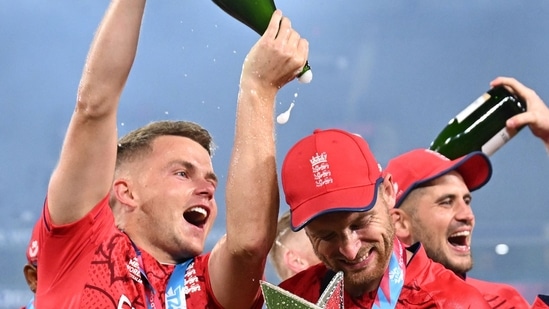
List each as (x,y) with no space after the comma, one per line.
(426,285)
(91,264)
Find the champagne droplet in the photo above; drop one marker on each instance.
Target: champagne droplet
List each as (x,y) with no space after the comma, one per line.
(283,118)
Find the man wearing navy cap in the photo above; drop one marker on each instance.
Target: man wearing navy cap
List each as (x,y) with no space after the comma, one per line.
(337,192)
(433,197)
(433,206)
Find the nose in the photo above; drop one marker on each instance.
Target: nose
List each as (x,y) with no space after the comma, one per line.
(465,213)
(350,246)
(205,188)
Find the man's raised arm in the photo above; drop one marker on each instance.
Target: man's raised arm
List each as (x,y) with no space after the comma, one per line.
(237,262)
(85,170)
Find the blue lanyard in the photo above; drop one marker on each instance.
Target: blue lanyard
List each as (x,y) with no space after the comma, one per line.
(175,292)
(393,280)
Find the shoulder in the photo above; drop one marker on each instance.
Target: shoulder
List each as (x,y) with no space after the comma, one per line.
(494,287)
(92,238)
(495,292)
(442,285)
(99,218)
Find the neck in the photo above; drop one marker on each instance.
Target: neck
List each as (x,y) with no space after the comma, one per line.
(143,246)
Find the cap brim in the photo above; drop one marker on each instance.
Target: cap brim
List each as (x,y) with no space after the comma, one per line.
(350,199)
(475,169)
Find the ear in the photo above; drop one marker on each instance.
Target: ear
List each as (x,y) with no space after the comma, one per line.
(31,275)
(294,262)
(389,193)
(403,225)
(123,193)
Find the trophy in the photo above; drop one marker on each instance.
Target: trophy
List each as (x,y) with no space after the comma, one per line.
(256,14)
(331,298)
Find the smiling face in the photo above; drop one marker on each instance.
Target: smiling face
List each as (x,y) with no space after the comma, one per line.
(358,243)
(172,188)
(441,218)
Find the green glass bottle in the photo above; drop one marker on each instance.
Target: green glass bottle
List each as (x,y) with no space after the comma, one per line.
(480,126)
(256,14)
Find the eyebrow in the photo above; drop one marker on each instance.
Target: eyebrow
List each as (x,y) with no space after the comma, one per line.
(192,169)
(445,196)
(454,196)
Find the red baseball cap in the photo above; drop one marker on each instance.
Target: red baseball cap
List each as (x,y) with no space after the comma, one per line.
(414,168)
(328,171)
(32,248)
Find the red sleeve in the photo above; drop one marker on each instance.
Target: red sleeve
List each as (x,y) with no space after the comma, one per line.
(65,248)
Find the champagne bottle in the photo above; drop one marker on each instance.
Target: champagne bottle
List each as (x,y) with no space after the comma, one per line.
(256,14)
(480,126)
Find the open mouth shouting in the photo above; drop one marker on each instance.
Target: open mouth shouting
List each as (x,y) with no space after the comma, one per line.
(460,241)
(196,216)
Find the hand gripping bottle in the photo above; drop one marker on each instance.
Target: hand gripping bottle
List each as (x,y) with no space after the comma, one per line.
(256,14)
(480,126)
